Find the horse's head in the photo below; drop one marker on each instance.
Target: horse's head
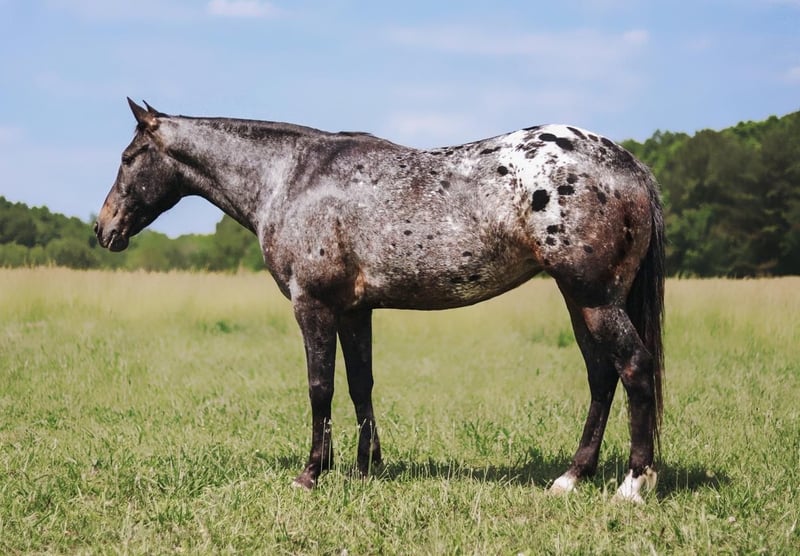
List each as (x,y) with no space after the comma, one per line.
(148,183)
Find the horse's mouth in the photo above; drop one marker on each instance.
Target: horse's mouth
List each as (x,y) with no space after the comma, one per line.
(113,240)
(117,242)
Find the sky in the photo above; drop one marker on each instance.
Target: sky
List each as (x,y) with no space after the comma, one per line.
(417,72)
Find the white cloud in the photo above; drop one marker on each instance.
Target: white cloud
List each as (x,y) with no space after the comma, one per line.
(698,43)
(467,40)
(10,134)
(105,10)
(792,75)
(490,110)
(464,40)
(545,103)
(608,5)
(582,77)
(636,37)
(581,54)
(790,3)
(241,8)
(426,129)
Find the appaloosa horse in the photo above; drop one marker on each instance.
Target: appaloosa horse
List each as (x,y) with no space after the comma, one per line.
(349,223)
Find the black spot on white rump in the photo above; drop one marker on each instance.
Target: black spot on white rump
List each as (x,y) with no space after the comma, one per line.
(540,199)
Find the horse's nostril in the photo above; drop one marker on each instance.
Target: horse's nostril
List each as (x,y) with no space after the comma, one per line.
(96,226)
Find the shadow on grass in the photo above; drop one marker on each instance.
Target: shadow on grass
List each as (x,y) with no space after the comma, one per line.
(538,470)
(672,478)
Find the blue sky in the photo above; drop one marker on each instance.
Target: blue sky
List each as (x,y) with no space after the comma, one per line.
(421,73)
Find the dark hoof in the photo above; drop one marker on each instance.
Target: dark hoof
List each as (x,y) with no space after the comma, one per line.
(371,469)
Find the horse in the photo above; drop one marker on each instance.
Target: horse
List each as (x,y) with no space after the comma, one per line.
(349,223)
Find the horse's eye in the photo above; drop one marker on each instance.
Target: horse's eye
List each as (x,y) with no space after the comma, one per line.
(127,159)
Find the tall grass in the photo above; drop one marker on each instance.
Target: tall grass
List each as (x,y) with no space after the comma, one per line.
(161,413)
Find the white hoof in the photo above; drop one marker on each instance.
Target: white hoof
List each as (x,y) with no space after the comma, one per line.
(631,489)
(564,484)
(300,486)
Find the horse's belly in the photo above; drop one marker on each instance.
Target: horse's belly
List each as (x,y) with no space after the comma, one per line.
(443,282)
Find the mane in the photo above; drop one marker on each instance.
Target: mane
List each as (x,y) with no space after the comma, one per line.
(253,128)
(264,129)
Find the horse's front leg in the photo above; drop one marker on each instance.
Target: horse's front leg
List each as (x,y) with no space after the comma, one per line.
(355,335)
(318,325)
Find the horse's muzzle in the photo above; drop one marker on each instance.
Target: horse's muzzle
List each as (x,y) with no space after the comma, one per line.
(111,227)
(111,238)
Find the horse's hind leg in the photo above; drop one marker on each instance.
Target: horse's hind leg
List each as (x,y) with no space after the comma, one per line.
(603,380)
(609,336)
(355,335)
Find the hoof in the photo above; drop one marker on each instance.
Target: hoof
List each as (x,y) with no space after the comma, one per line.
(371,469)
(564,484)
(304,482)
(632,488)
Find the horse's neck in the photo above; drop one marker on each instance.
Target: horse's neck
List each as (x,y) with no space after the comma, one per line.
(237,172)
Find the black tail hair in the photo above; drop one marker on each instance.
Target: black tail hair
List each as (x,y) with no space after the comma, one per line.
(645,304)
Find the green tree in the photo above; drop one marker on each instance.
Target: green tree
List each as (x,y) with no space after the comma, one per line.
(17,225)
(13,255)
(155,252)
(71,252)
(233,247)
(780,233)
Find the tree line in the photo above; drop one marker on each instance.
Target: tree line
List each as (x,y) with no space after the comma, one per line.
(38,237)
(731,200)
(731,197)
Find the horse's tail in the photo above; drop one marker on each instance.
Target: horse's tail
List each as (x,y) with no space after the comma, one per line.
(645,304)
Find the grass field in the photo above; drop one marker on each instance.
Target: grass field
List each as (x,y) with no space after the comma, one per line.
(168,413)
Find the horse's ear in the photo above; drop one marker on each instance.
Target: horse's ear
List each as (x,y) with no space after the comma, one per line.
(145,119)
(152,110)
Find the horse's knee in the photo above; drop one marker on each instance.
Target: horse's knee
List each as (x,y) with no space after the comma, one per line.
(636,374)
